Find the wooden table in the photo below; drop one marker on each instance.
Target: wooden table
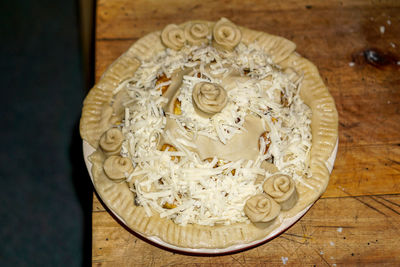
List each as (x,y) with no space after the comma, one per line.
(356,46)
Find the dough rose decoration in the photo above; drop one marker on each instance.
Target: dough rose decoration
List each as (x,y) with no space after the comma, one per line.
(209,98)
(261,208)
(196,33)
(111,141)
(173,37)
(226,34)
(282,189)
(117,168)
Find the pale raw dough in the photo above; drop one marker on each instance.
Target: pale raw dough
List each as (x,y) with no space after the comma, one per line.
(98,116)
(282,189)
(111,141)
(262,208)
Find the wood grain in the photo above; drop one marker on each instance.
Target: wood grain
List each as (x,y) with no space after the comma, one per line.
(307,18)
(363,231)
(355,223)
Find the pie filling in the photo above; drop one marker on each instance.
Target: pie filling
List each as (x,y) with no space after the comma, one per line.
(213,132)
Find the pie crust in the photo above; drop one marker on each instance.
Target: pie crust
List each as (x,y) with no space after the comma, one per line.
(101,111)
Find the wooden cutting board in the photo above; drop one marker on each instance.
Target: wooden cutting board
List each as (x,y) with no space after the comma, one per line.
(356,46)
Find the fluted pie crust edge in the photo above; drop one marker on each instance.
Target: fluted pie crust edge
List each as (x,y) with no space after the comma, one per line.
(97,115)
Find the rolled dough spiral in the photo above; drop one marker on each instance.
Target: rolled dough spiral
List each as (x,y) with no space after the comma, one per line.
(209,98)
(196,33)
(261,208)
(282,189)
(111,141)
(226,35)
(117,168)
(173,37)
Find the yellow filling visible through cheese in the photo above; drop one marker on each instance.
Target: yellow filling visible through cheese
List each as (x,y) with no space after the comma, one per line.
(255,126)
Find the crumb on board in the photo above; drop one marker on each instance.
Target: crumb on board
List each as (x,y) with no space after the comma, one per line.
(382,29)
(340,229)
(284,260)
(352,64)
(392,44)
(321,252)
(388,22)
(332,243)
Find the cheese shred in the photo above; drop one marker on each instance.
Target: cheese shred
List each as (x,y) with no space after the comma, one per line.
(178,184)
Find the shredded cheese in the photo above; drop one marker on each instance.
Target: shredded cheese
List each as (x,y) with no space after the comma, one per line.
(199,191)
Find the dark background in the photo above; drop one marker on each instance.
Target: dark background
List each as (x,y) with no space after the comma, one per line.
(45,191)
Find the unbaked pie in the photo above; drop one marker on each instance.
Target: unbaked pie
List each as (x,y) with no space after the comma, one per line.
(208,135)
